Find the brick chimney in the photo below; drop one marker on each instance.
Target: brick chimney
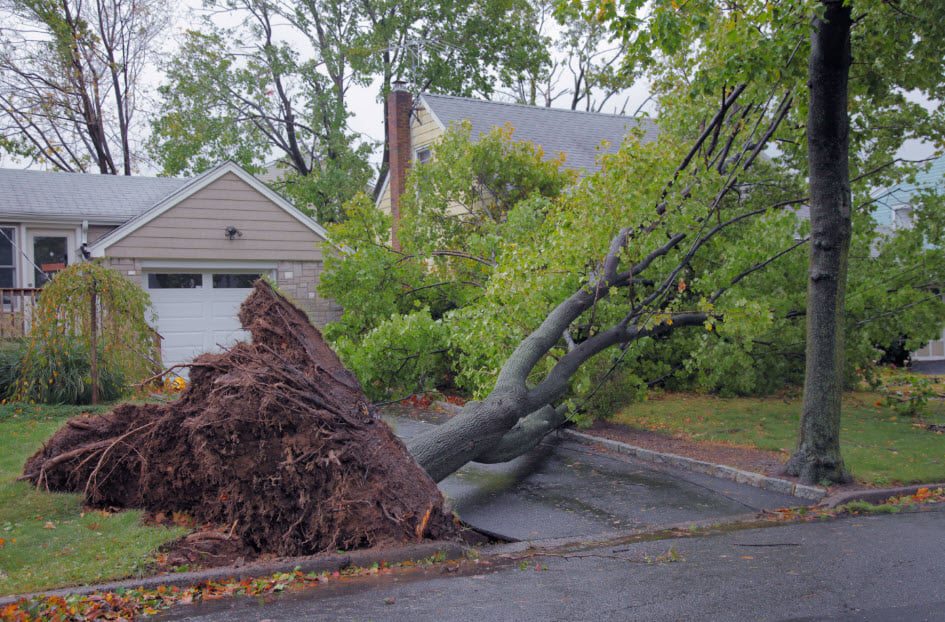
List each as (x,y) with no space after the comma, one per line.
(399,107)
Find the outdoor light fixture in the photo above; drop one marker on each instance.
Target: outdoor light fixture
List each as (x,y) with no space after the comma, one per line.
(232,233)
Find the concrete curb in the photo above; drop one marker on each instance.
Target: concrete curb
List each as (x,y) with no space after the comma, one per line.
(667,531)
(312,563)
(875,495)
(774,484)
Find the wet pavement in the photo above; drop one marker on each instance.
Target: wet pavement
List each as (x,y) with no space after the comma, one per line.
(879,568)
(566,489)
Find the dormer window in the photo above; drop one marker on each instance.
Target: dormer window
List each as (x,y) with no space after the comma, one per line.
(424,155)
(902,217)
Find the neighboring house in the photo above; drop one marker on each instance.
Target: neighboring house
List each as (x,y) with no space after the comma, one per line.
(894,211)
(413,127)
(196,245)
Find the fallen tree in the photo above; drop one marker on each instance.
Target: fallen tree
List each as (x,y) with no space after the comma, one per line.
(273,440)
(646,263)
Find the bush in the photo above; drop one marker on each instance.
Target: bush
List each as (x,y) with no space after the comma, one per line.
(908,395)
(404,354)
(66,377)
(11,357)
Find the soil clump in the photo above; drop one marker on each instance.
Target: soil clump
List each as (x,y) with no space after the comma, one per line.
(273,441)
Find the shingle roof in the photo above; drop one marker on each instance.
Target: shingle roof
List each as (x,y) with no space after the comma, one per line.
(577,134)
(100,198)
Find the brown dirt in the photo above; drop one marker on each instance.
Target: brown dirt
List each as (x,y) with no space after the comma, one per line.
(745,458)
(273,441)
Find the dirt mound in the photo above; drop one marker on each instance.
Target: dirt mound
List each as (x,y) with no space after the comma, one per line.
(273,440)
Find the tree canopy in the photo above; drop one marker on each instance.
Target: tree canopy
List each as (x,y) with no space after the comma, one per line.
(476,274)
(71,80)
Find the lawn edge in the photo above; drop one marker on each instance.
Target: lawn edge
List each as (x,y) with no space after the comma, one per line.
(306,564)
(874,495)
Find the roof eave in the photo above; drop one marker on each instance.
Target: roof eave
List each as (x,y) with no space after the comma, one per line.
(198,183)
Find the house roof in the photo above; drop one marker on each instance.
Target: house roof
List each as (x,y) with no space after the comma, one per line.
(577,134)
(107,199)
(190,187)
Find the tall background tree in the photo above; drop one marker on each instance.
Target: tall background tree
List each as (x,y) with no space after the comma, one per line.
(694,48)
(277,85)
(71,80)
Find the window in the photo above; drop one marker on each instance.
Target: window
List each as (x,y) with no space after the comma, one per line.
(7,266)
(234,281)
(51,254)
(175,281)
(424,155)
(902,217)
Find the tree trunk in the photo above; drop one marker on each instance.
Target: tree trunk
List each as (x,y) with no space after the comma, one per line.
(817,457)
(93,342)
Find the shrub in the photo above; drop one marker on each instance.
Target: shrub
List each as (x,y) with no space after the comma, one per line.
(11,356)
(404,354)
(908,395)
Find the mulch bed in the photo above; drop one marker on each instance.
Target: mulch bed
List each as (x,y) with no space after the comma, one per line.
(745,458)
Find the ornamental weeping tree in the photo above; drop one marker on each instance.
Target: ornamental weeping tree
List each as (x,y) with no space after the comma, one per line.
(89,338)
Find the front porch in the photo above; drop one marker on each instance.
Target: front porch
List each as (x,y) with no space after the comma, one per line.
(16,309)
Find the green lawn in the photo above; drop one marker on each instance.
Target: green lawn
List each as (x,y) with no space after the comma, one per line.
(47,541)
(879,447)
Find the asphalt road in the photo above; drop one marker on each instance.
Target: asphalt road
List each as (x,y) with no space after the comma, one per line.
(879,568)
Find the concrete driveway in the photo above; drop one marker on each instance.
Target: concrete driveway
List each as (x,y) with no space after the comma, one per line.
(565,489)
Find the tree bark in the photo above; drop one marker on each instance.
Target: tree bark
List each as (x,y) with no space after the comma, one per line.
(817,457)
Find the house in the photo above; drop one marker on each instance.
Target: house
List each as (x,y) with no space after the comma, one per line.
(415,124)
(894,211)
(195,245)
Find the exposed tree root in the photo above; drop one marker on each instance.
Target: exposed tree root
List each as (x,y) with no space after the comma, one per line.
(273,441)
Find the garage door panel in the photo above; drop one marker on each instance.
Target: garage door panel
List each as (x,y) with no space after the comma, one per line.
(227,338)
(225,310)
(169,310)
(194,320)
(173,338)
(183,354)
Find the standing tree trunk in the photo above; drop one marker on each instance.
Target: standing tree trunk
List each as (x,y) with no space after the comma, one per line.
(817,457)
(93,342)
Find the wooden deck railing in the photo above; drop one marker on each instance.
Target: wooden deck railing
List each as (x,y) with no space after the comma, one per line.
(16,309)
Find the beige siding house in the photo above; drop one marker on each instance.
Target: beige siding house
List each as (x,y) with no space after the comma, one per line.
(424,130)
(195,245)
(415,124)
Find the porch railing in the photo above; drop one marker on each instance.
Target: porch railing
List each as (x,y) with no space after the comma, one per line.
(16,309)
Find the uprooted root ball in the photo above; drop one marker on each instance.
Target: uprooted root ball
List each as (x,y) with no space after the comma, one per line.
(273,440)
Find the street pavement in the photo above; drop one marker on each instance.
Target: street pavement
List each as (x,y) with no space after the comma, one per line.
(566,489)
(878,568)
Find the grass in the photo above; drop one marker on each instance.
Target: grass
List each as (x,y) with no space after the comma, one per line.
(879,447)
(49,539)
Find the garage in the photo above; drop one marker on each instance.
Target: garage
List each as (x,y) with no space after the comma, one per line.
(197,309)
(198,251)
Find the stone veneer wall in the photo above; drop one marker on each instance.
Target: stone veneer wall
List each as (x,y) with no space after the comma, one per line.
(129,268)
(297,279)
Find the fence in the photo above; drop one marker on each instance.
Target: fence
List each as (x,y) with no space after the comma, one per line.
(16,309)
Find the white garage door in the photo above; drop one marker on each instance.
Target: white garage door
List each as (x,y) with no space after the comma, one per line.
(197,311)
